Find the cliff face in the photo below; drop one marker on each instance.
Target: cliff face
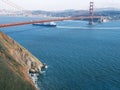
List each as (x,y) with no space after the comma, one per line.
(15,64)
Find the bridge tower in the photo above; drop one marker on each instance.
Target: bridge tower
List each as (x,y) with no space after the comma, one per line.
(91,8)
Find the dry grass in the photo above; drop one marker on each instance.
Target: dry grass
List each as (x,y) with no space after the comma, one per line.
(13,68)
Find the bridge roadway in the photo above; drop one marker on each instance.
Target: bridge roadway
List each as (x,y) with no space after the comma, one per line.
(49,20)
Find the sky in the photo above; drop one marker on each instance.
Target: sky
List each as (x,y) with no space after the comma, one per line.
(54,5)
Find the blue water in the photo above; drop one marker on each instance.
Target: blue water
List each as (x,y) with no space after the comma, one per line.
(79,56)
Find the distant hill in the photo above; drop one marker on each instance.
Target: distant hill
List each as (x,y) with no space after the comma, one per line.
(15,63)
(111,12)
(64,13)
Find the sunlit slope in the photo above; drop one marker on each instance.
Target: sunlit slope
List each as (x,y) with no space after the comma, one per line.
(15,63)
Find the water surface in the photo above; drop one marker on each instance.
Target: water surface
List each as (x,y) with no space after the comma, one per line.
(79,56)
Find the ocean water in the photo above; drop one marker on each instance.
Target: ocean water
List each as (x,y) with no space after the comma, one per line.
(79,56)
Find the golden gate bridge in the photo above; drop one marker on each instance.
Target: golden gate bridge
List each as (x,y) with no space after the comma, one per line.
(13,5)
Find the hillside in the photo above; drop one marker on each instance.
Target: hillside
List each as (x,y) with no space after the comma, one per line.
(112,13)
(15,64)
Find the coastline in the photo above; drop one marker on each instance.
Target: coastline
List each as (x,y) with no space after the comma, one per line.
(34,75)
(34,78)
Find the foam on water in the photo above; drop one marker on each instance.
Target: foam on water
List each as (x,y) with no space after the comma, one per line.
(96,28)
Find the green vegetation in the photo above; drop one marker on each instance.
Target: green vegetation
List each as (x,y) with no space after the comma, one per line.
(12,80)
(13,75)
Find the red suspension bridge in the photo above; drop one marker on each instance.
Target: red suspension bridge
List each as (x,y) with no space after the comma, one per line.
(90,17)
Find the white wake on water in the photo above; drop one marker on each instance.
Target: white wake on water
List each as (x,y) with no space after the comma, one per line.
(92,28)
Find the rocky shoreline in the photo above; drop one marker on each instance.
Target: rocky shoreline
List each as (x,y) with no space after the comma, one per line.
(34,78)
(34,73)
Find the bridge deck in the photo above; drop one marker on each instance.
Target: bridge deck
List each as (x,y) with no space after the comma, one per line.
(50,20)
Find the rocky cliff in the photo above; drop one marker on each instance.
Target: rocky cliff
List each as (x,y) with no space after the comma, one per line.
(15,65)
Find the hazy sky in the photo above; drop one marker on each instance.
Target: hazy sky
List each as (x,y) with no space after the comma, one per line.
(65,4)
